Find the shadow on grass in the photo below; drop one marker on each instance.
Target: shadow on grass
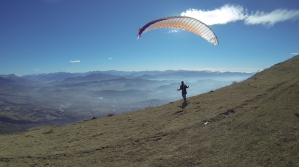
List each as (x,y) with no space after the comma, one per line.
(184,104)
(297,114)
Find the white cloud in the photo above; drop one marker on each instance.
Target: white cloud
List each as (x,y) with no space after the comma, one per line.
(75,61)
(36,69)
(173,31)
(231,13)
(110,58)
(223,15)
(269,19)
(295,53)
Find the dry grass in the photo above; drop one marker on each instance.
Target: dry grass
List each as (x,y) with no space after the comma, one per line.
(262,131)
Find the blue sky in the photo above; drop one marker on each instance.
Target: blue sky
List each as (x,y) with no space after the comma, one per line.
(44,36)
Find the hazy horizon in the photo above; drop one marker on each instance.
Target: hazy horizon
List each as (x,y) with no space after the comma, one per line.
(133,72)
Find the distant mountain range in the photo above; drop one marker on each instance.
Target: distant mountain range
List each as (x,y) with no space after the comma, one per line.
(90,77)
(112,74)
(12,78)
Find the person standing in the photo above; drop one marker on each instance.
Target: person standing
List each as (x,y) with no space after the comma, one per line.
(183,87)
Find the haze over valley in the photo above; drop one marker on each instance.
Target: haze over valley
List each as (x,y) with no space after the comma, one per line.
(61,98)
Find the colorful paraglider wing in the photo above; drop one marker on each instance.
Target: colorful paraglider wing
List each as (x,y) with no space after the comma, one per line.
(183,22)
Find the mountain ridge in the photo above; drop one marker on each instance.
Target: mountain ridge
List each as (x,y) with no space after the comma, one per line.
(60,76)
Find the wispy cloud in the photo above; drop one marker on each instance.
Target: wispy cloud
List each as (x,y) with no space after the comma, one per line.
(231,13)
(172,31)
(269,19)
(75,61)
(223,15)
(36,69)
(110,58)
(295,53)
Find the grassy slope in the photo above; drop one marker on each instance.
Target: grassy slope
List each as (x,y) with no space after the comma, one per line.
(263,131)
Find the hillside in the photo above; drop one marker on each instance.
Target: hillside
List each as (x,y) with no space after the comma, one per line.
(261,128)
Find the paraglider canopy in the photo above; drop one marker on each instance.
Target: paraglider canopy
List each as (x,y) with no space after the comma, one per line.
(182,22)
